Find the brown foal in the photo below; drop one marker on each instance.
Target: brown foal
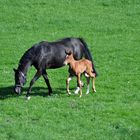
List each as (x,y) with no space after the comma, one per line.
(79,67)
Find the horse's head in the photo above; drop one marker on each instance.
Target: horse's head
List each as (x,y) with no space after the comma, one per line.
(20,80)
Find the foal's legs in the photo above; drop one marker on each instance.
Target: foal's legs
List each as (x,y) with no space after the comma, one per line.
(93,85)
(78,88)
(36,76)
(88,84)
(45,76)
(79,83)
(67,84)
(72,74)
(93,81)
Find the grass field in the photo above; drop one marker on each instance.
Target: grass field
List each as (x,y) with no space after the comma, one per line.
(111,29)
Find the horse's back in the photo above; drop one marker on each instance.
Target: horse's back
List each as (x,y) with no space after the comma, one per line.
(52,54)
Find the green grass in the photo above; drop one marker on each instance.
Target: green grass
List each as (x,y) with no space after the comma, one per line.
(112,30)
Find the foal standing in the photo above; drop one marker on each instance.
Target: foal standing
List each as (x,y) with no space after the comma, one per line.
(79,67)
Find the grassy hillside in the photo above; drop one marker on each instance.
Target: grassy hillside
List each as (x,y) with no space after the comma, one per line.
(112,31)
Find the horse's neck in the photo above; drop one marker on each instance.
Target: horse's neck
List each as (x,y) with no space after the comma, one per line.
(24,66)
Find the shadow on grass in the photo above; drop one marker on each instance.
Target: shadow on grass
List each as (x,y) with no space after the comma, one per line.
(8,92)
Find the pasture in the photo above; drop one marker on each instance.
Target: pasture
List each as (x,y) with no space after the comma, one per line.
(111,29)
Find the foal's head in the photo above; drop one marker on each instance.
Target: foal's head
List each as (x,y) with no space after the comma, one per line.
(69,58)
(20,80)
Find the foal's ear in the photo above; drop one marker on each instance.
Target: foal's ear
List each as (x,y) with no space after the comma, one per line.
(68,51)
(14,69)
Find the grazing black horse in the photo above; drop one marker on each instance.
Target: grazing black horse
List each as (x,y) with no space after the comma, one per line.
(48,55)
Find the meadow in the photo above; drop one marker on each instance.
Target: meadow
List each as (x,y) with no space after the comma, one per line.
(111,29)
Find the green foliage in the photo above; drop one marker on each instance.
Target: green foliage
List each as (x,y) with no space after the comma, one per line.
(111,28)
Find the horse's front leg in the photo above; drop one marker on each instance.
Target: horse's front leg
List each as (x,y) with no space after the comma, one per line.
(67,84)
(45,76)
(36,76)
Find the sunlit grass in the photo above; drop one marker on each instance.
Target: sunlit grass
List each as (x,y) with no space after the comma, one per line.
(111,29)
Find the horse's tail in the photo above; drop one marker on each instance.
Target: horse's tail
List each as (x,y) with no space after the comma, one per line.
(88,54)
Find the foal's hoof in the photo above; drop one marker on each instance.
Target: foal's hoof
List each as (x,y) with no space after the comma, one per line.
(82,83)
(77,90)
(28,98)
(94,90)
(69,93)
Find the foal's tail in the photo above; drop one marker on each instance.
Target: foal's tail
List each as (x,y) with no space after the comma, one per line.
(88,54)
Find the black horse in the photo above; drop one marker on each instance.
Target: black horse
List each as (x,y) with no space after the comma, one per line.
(48,55)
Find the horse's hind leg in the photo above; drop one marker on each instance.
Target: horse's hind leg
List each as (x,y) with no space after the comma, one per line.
(36,76)
(45,76)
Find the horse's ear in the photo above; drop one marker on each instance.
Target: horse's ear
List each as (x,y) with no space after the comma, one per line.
(68,51)
(14,69)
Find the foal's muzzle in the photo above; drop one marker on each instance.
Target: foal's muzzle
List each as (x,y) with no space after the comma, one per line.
(65,63)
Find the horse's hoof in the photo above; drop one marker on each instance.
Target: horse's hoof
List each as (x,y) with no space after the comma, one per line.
(19,94)
(50,91)
(49,94)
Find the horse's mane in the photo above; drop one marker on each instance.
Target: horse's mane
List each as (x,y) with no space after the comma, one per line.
(26,58)
(29,54)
